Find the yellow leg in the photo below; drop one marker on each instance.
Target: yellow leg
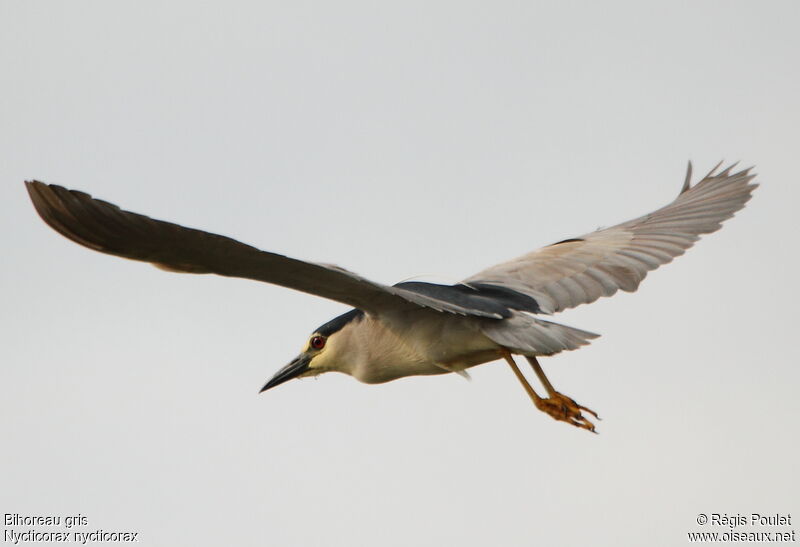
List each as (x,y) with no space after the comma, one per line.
(537,368)
(531,393)
(558,406)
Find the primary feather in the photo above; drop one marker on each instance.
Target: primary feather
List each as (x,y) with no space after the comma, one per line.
(581,270)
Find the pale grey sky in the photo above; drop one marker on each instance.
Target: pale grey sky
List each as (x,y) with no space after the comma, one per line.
(394,139)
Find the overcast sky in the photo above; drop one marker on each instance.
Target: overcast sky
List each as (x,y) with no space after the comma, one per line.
(397,140)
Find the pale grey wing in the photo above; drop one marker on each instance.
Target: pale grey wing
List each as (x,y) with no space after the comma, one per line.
(581,270)
(104,227)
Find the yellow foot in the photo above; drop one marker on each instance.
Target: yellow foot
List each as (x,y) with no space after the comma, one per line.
(562,408)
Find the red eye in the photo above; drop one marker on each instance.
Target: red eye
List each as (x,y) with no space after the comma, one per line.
(318,342)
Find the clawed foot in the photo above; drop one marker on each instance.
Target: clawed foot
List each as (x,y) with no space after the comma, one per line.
(558,405)
(564,409)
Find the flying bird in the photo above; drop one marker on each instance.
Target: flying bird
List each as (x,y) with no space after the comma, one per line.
(418,328)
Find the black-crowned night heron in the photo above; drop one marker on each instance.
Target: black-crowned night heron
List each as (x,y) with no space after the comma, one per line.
(417,328)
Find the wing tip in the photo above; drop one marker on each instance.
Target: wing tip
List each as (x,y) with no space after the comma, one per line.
(687,182)
(741,175)
(38,191)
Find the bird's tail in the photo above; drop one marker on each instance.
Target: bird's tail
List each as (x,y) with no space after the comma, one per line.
(528,335)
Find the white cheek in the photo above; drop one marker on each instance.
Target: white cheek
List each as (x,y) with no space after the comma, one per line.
(319,362)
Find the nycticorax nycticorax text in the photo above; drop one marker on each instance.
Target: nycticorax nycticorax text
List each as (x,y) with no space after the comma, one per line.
(417,328)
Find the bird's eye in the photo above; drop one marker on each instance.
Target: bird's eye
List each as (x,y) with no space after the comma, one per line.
(318,342)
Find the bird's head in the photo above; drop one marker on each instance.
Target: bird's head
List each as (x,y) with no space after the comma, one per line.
(324,351)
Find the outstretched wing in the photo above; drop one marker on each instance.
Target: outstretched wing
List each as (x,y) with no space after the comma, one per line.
(104,227)
(581,270)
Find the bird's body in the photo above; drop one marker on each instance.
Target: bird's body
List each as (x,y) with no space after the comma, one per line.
(415,328)
(412,343)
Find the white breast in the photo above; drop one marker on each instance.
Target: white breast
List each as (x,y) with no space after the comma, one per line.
(418,342)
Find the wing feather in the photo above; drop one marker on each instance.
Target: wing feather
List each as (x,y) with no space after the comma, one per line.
(106,228)
(580,270)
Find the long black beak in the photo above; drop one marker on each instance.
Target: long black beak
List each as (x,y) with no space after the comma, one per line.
(294,369)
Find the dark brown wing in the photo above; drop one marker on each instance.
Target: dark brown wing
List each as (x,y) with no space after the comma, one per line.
(104,227)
